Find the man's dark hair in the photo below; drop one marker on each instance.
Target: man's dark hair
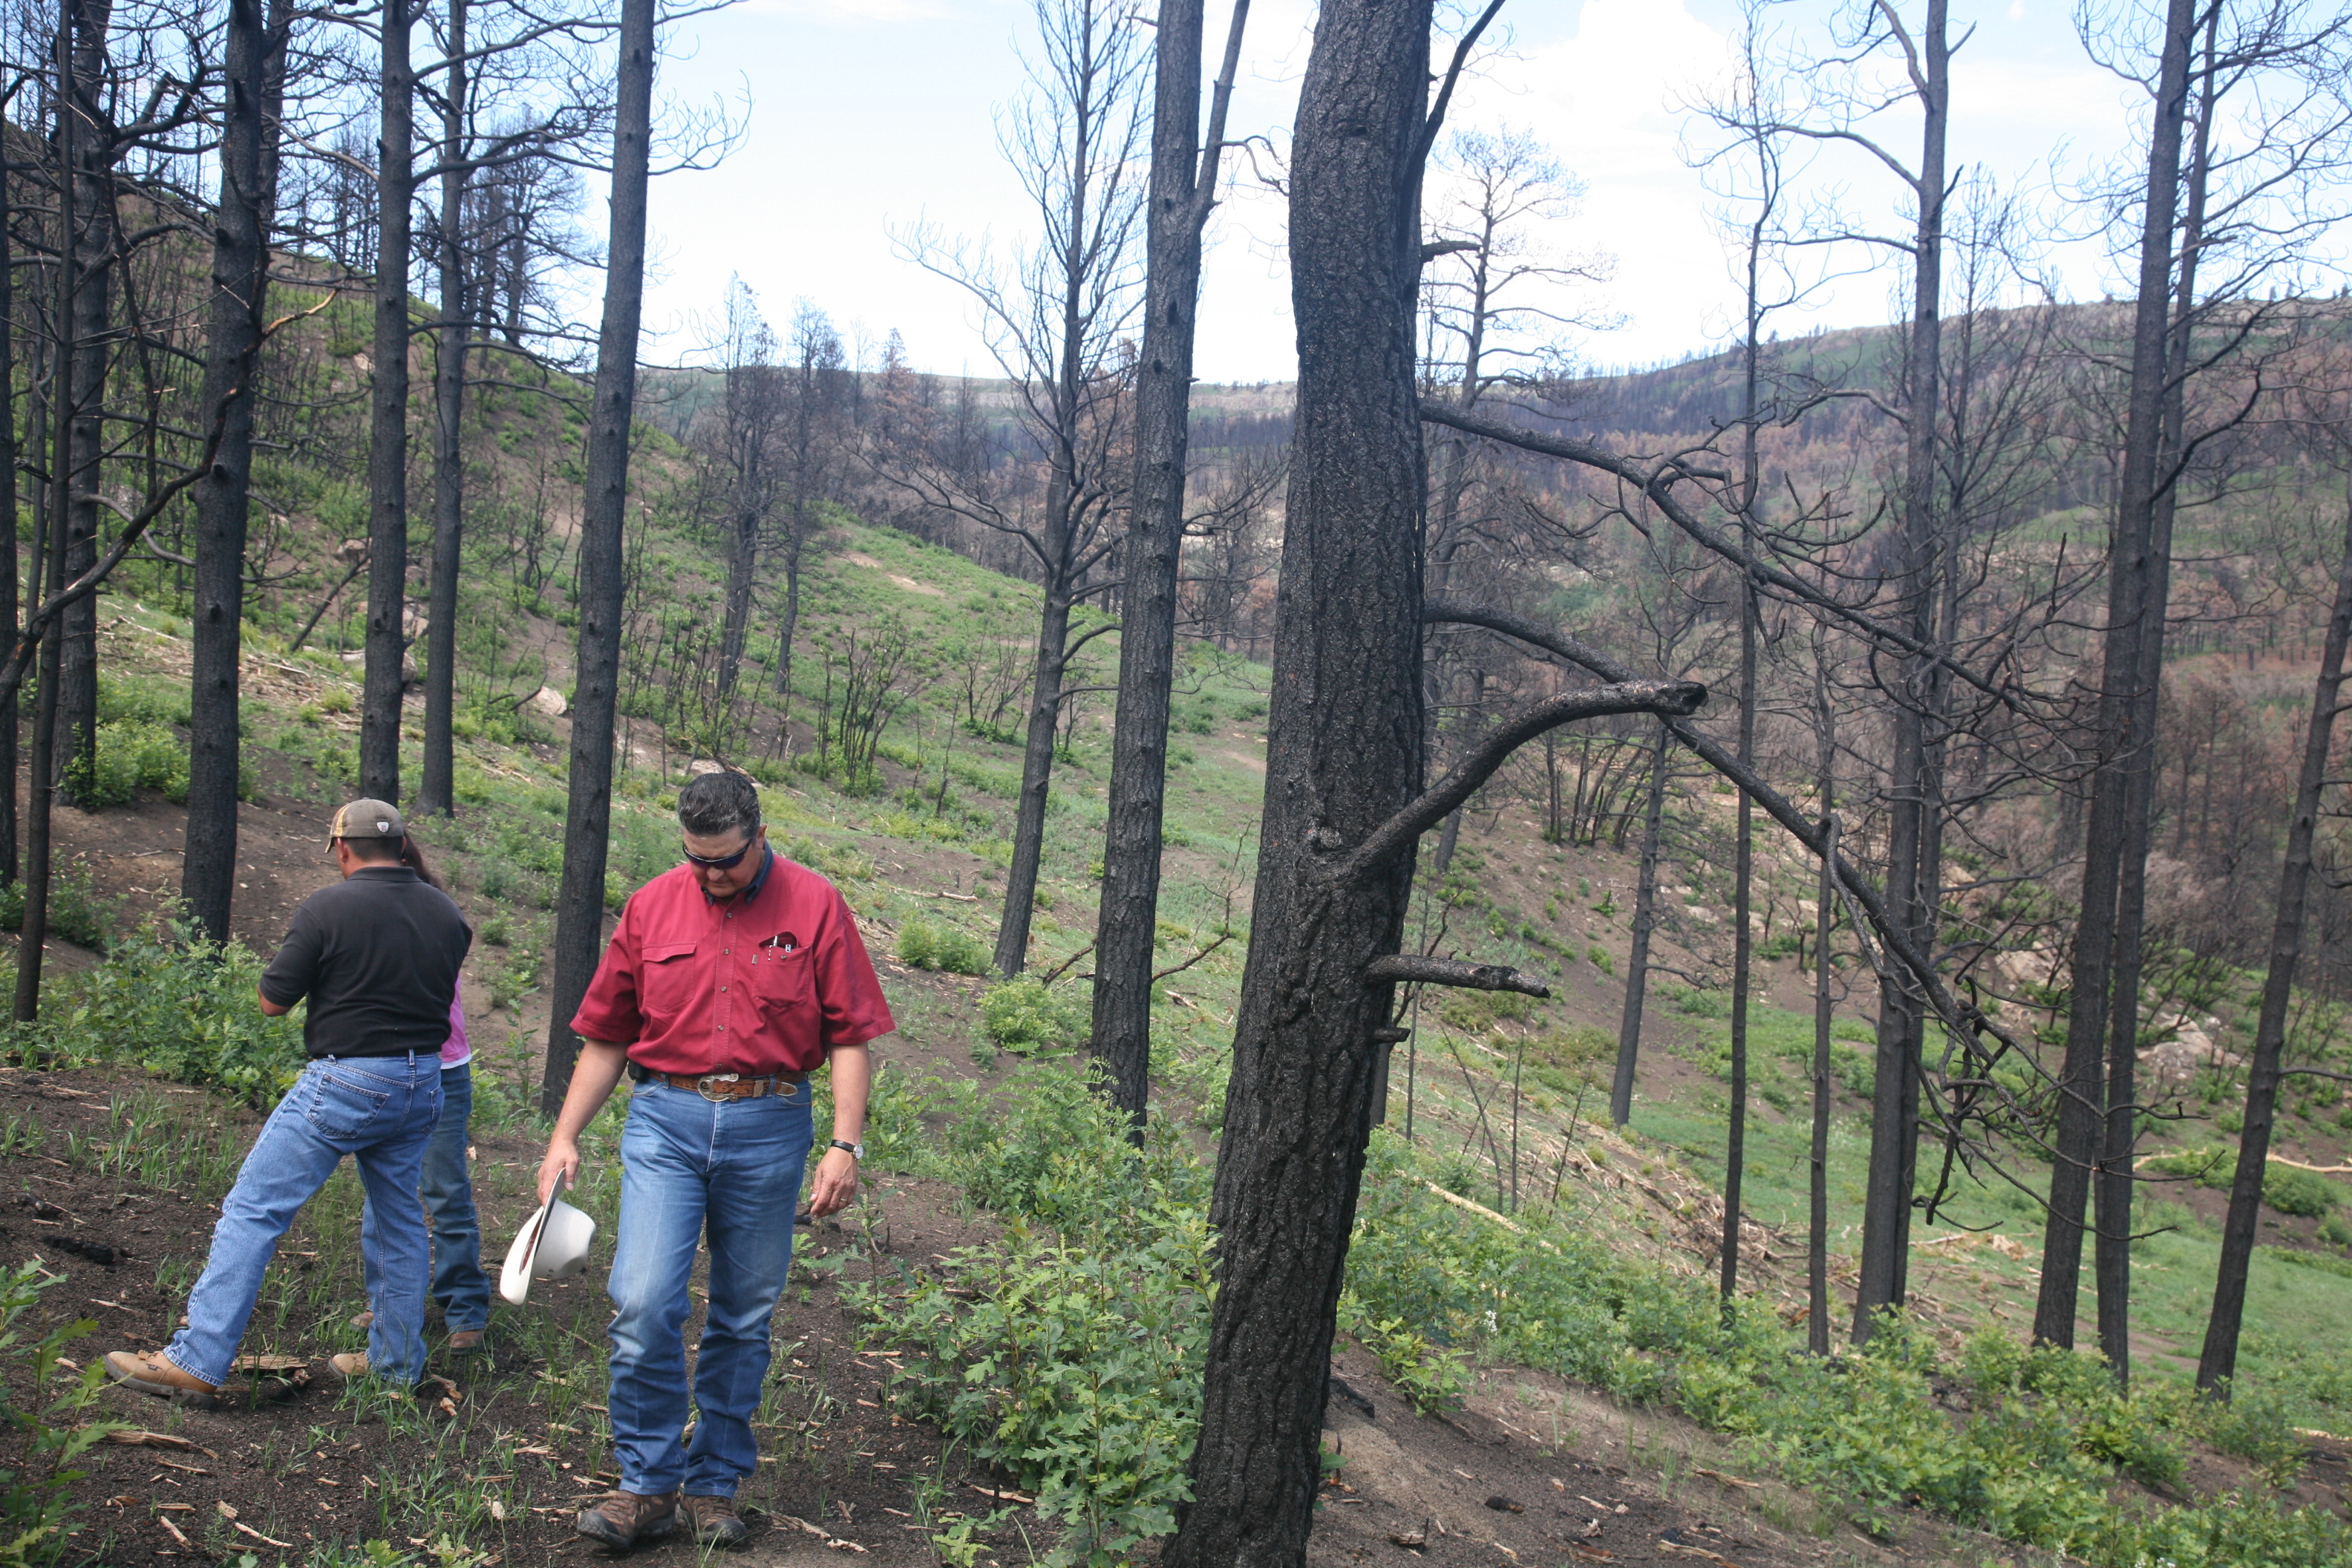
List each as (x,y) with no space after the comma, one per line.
(717,805)
(373,850)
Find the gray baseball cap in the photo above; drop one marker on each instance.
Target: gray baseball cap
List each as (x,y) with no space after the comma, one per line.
(367,819)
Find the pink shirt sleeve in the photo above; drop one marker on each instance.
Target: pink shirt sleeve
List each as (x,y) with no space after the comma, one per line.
(455,1049)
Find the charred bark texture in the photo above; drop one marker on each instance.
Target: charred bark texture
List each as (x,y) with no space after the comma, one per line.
(588,823)
(2216,1362)
(437,788)
(1344,750)
(1646,920)
(387,474)
(254,64)
(2133,577)
(1183,182)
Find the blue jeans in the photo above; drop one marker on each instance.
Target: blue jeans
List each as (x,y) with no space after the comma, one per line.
(689,1165)
(379,1109)
(458,1283)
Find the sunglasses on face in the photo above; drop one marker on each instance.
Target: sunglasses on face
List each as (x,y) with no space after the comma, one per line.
(718,862)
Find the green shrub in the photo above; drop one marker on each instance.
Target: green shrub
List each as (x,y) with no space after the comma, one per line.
(950,949)
(2253,1424)
(2305,1193)
(1028,1015)
(176,1005)
(132,755)
(1070,1352)
(34,1498)
(78,913)
(2213,1165)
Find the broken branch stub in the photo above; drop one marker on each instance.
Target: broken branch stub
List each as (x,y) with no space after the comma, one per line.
(1398,968)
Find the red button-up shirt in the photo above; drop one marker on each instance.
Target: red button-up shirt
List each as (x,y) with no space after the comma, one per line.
(763,982)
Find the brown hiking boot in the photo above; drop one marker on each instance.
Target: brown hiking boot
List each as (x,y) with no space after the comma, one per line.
(149,1372)
(623,1519)
(712,1519)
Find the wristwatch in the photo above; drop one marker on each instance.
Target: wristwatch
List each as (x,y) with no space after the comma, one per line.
(856,1151)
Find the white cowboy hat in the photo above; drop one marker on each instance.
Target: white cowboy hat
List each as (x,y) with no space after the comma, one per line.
(553,1246)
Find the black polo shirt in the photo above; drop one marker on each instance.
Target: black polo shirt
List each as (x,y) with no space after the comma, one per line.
(377,954)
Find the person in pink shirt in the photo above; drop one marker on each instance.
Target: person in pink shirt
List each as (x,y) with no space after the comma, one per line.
(458,1283)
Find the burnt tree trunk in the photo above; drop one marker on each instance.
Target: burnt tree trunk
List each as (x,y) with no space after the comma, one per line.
(89,313)
(9,610)
(2217,1364)
(1037,752)
(1344,753)
(387,470)
(40,785)
(1183,184)
(1911,881)
(588,822)
(1645,920)
(231,359)
(437,788)
(2133,571)
(2111,1198)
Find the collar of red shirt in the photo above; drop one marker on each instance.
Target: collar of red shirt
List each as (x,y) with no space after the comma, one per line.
(751,889)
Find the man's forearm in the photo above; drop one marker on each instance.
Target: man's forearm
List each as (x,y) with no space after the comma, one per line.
(593,1077)
(853,1076)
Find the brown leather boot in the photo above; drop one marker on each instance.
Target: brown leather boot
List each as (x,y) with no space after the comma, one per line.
(712,1519)
(623,1519)
(149,1372)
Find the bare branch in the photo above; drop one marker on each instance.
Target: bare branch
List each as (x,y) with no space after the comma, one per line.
(1406,968)
(1393,837)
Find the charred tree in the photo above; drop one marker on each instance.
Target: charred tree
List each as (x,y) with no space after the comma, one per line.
(253,78)
(2216,1362)
(86,161)
(1914,869)
(1645,922)
(588,821)
(1183,188)
(9,609)
(1342,810)
(387,468)
(2135,572)
(436,789)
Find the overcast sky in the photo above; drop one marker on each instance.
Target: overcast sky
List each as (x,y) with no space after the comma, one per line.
(863,116)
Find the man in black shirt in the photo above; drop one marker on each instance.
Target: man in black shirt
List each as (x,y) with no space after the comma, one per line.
(377,956)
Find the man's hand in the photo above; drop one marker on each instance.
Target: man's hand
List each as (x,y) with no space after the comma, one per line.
(562,1160)
(837,1184)
(592,1077)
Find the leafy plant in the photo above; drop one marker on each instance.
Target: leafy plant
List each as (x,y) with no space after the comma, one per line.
(1070,1351)
(177,1005)
(2305,1193)
(950,949)
(1028,1015)
(34,1499)
(79,912)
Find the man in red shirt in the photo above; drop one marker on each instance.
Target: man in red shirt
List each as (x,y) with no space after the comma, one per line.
(728,980)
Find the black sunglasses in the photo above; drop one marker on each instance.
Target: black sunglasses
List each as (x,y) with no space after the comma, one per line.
(719,862)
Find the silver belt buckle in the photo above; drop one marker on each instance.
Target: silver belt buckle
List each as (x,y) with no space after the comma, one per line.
(702,1085)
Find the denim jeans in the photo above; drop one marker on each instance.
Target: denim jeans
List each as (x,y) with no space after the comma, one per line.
(690,1165)
(460,1286)
(379,1110)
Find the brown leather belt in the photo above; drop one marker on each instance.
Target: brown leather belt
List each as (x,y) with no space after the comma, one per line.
(728,1085)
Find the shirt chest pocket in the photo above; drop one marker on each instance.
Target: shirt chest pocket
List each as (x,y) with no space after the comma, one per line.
(779,976)
(666,980)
